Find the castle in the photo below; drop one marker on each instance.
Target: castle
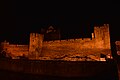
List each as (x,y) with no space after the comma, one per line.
(79,49)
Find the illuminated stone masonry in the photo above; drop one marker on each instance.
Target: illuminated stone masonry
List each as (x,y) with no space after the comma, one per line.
(97,48)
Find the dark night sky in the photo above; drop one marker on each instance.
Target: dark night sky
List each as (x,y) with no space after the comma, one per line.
(18,19)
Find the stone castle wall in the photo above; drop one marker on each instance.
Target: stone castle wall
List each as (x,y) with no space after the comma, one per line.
(67,47)
(99,43)
(15,50)
(71,47)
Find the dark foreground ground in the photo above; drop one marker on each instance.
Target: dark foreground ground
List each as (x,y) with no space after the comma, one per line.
(11,75)
(8,75)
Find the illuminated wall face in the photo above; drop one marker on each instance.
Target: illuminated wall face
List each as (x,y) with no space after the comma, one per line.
(16,50)
(72,48)
(35,41)
(99,44)
(102,36)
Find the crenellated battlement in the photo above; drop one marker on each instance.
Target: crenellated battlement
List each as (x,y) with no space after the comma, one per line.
(68,40)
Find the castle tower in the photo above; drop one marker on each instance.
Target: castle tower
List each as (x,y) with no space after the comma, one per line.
(102,36)
(106,37)
(98,37)
(35,44)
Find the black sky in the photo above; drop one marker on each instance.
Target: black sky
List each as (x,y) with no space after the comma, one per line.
(19,18)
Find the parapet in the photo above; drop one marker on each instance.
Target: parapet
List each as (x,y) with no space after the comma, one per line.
(32,34)
(5,43)
(35,34)
(69,40)
(14,45)
(106,24)
(86,39)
